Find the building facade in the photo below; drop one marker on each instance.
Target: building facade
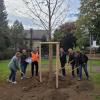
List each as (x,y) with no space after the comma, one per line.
(32,37)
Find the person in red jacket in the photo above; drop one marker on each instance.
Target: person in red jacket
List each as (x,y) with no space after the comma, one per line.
(34,64)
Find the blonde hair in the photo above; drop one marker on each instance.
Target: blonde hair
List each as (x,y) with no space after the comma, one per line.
(70,50)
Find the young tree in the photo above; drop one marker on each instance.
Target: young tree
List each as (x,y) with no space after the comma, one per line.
(4,30)
(47,14)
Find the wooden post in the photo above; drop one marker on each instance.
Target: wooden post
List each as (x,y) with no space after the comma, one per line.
(50,62)
(57,65)
(57,60)
(40,70)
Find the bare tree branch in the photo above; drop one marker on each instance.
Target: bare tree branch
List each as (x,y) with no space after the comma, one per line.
(58,7)
(61,13)
(58,16)
(54,8)
(34,19)
(56,12)
(35,14)
(61,22)
(41,9)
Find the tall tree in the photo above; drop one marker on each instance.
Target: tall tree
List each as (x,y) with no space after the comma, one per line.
(88,22)
(17,35)
(4,30)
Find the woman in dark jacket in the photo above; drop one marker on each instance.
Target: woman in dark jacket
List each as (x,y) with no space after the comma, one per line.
(63,60)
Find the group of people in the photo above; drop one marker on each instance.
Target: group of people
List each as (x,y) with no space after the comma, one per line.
(76,60)
(22,59)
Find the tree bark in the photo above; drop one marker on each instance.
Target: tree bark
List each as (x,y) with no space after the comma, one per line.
(50,45)
(50,61)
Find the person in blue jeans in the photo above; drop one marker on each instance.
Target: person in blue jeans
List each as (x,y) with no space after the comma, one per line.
(82,62)
(72,61)
(23,63)
(14,66)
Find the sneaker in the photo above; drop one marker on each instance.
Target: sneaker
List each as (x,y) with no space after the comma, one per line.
(63,77)
(8,80)
(14,82)
(23,78)
(79,79)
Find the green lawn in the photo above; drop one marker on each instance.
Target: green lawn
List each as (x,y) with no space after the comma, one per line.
(4,67)
(4,71)
(95,79)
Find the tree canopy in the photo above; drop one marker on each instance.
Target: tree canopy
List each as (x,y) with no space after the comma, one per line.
(65,35)
(17,35)
(4,30)
(88,22)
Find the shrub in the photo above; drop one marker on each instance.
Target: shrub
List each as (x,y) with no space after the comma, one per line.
(7,54)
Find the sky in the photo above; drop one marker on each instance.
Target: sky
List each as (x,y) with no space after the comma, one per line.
(15,8)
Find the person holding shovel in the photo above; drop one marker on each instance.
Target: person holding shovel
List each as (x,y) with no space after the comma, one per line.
(14,66)
(71,60)
(23,63)
(63,61)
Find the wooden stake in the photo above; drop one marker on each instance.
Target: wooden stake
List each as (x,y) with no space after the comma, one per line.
(57,64)
(57,60)
(40,71)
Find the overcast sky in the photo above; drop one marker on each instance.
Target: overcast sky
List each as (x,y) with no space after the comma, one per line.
(14,6)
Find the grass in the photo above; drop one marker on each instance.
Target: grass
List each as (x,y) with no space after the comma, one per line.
(95,79)
(95,76)
(95,62)
(96,82)
(4,71)
(4,68)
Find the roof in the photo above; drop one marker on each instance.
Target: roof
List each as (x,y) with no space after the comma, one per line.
(36,34)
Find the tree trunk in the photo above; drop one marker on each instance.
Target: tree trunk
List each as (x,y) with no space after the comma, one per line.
(50,45)
(50,61)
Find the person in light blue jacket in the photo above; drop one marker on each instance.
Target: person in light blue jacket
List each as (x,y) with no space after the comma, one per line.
(14,66)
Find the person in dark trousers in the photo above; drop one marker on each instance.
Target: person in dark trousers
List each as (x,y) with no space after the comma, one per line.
(23,63)
(34,64)
(71,60)
(82,60)
(14,66)
(63,60)
(76,63)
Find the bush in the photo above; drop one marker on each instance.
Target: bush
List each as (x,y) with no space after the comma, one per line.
(7,54)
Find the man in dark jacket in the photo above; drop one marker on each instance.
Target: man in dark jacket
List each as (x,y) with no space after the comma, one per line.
(63,60)
(23,63)
(82,61)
